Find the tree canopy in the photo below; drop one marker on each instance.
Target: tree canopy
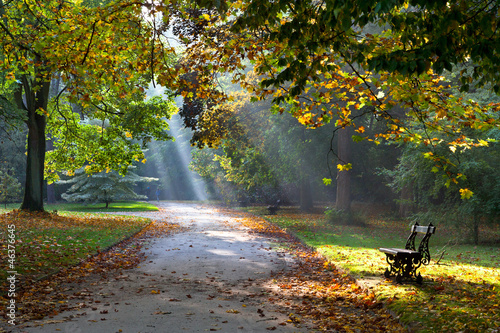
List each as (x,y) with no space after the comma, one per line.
(341,61)
(322,61)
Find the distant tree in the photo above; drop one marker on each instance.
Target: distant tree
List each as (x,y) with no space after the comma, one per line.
(12,150)
(104,187)
(260,156)
(434,195)
(10,187)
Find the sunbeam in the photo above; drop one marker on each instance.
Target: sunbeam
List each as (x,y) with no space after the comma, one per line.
(183,149)
(169,161)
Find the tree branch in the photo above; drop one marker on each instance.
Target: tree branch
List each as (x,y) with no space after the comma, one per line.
(90,43)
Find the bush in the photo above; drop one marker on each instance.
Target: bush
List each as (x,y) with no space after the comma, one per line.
(10,188)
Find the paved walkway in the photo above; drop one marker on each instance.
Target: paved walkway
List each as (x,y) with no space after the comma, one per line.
(210,277)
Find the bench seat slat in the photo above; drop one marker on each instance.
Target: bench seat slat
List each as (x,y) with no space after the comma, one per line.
(395,251)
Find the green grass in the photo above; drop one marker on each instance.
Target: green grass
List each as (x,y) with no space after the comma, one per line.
(461,293)
(120,206)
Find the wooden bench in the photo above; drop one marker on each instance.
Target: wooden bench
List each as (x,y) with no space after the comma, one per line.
(274,208)
(403,263)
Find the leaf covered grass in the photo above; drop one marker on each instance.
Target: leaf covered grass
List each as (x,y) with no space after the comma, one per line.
(461,292)
(45,243)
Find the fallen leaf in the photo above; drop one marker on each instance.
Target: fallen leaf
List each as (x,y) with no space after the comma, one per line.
(162,312)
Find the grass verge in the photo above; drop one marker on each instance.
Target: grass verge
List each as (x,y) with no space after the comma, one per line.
(459,294)
(43,243)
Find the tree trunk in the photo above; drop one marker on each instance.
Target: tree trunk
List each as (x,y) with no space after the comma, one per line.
(343,201)
(306,202)
(406,203)
(36,95)
(51,193)
(33,189)
(475,229)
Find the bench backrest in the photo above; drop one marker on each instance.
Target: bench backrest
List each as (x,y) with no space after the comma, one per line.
(423,248)
(423,229)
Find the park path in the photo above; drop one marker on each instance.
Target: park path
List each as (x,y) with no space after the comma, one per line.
(212,276)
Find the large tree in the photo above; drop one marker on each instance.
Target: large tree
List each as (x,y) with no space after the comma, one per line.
(103,55)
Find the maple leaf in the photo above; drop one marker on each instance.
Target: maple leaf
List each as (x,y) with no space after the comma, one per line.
(465,193)
(344,167)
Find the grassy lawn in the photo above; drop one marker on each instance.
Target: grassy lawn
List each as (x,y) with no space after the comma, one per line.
(46,242)
(120,206)
(461,292)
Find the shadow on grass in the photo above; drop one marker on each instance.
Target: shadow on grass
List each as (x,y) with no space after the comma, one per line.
(445,304)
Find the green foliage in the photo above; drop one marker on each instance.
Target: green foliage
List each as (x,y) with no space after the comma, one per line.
(344,62)
(327,62)
(105,142)
(10,116)
(204,164)
(261,157)
(10,187)
(408,37)
(103,187)
(12,150)
(434,188)
(264,157)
